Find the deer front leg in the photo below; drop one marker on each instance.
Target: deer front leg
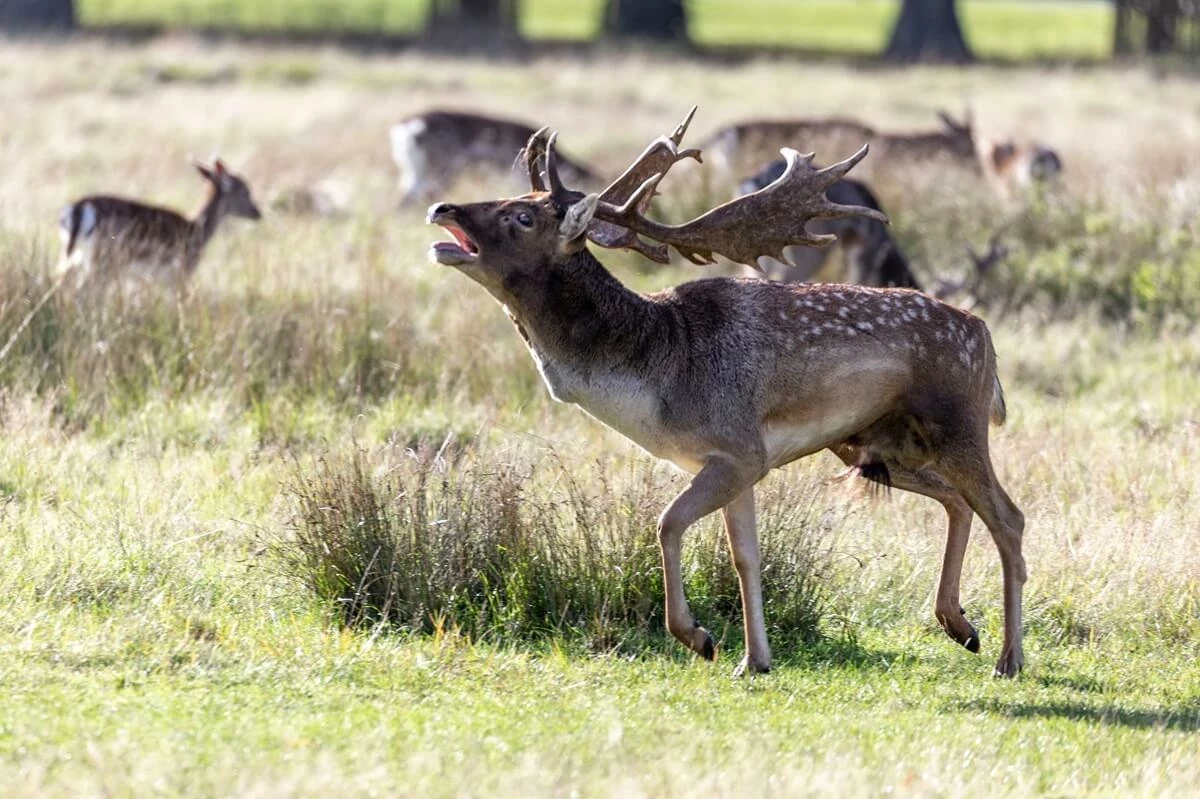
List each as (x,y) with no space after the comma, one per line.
(716,485)
(742,532)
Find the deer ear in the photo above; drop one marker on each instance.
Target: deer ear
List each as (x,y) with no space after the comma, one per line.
(572,231)
(203,169)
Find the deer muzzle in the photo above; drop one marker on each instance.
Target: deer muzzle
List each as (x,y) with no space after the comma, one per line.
(463,250)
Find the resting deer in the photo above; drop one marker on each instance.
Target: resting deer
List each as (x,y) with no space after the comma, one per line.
(729,378)
(873,257)
(1012,167)
(109,237)
(432,148)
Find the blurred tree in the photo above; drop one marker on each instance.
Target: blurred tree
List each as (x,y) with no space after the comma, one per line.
(662,20)
(471,19)
(1156,26)
(28,15)
(928,30)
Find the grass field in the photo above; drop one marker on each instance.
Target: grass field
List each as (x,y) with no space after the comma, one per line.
(160,633)
(1007,29)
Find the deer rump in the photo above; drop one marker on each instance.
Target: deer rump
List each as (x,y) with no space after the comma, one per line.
(872,255)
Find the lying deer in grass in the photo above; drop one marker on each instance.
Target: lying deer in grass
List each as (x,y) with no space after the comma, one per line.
(730,378)
(109,237)
(872,255)
(1012,167)
(432,148)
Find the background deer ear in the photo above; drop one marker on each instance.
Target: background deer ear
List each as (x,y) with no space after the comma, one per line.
(948,121)
(203,169)
(572,231)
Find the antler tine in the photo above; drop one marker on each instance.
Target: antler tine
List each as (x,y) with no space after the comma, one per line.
(556,186)
(682,127)
(535,148)
(751,226)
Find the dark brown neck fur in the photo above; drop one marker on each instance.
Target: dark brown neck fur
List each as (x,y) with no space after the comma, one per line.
(574,311)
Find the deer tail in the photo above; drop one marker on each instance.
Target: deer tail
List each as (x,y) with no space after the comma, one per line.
(999,411)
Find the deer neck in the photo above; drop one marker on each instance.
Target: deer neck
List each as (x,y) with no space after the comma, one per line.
(583,327)
(204,225)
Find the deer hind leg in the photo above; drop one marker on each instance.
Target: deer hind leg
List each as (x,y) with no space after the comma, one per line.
(741,530)
(947,606)
(969,469)
(719,483)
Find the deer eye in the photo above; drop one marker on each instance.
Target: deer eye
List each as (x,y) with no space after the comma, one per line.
(524,219)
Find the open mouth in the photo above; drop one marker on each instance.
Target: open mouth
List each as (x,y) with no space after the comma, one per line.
(462,250)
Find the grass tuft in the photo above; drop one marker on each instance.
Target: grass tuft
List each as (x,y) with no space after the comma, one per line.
(420,545)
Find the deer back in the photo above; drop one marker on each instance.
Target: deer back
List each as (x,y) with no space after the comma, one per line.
(737,147)
(431,149)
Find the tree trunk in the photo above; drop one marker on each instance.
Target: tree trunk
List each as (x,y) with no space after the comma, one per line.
(1160,26)
(660,20)
(1122,40)
(928,30)
(474,13)
(472,24)
(37,15)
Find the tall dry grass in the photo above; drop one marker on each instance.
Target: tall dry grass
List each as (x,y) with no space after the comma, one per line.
(324,336)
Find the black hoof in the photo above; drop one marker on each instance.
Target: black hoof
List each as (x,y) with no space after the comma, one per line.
(972,642)
(709,652)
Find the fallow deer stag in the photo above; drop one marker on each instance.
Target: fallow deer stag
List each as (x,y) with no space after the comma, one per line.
(109,237)
(730,378)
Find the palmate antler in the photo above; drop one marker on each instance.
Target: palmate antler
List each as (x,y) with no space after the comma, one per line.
(742,230)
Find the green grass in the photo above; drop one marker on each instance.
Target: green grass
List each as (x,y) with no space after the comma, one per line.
(1007,29)
(164,464)
(286,707)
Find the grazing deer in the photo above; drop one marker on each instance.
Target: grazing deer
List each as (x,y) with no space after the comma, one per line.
(873,258)
(954,142)
(108,237)
(432,148)
(753,141)
(729,378)
(735,148)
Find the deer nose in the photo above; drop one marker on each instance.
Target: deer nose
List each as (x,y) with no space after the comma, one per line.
(439,211)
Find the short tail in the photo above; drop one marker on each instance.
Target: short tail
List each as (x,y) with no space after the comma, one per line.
(999,411)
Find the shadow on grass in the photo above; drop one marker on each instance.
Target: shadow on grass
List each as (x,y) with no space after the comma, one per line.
(1184,718)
